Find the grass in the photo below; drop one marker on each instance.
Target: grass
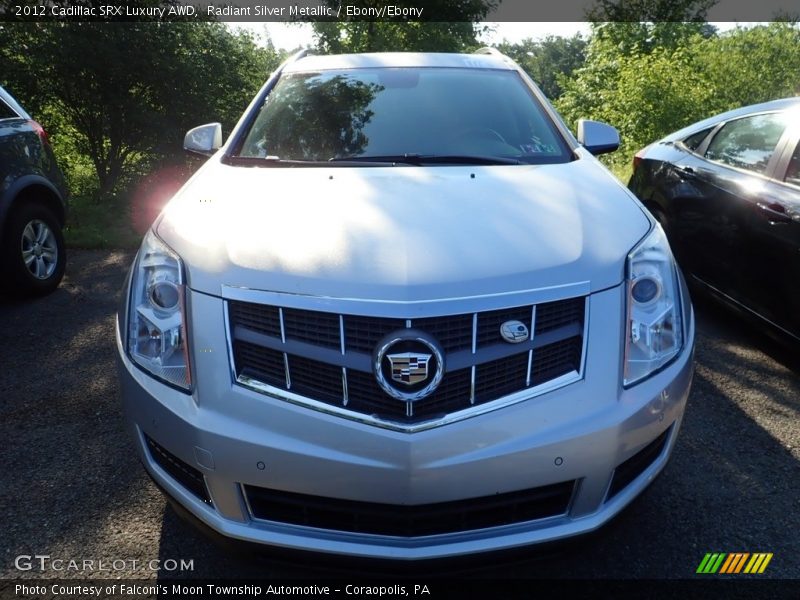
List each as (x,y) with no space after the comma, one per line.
(95,225)
(622,172)
(119,220)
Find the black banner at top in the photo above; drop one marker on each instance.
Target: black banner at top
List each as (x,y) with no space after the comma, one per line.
(380,10)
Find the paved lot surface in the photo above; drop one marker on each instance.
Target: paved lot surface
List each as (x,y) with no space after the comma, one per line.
(71,488)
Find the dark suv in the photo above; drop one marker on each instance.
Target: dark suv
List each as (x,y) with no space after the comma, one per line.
(33,205)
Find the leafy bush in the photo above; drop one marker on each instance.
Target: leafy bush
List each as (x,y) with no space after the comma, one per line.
(648,88)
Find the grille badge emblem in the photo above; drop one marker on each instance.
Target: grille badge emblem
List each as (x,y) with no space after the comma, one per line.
(408,365)
(514,332)
(409,368)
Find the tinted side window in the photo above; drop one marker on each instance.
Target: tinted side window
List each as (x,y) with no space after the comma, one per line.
(748,143)
(6,112)
(693,141)
(793,171)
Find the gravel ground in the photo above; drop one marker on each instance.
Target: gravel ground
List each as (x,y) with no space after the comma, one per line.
(72,488)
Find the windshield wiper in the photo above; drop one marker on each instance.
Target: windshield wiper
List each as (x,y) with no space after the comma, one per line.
(432,159)
(273,161)
(416,160)
(384,159)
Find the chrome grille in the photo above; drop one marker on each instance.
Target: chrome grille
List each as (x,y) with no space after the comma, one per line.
(327,358)
(315,379)
(552,315)
(366,397)
(318,328)
(454,333)
(555,360)
(500,377)
(257,317)
(260,363)
(362,334)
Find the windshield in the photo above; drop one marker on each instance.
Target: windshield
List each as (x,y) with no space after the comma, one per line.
(395,113)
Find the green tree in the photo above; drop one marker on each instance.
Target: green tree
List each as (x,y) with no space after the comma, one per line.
(636,26)
(128,91)
(652,95)
(456,30)
(652,11)
(549,61)
(610,44)
(648,91)
(637,57)
(747,66)
(316,118)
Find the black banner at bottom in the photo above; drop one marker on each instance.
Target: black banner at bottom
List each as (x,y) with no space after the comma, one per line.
(68,589)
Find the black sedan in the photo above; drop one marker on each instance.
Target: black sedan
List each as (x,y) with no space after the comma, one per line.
(727,192)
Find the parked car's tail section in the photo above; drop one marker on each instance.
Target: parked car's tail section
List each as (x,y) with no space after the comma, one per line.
(33,205)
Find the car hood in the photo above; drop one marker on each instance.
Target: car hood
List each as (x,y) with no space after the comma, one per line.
(403,233)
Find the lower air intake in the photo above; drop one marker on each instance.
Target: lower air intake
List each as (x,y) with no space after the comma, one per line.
(409,521)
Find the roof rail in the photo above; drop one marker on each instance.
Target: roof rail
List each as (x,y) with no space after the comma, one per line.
(294,57)
(297,56)
(490,51)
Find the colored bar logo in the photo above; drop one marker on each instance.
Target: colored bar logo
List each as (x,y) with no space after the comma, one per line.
(734,563)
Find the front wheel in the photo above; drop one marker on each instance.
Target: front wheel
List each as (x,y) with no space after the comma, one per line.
(33,252)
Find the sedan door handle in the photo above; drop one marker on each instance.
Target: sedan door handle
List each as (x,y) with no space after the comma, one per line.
(774,212)
(686,171)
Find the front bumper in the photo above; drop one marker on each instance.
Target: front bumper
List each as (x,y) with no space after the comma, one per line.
(237,439)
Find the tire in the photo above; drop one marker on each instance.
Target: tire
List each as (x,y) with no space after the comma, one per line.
(33,253)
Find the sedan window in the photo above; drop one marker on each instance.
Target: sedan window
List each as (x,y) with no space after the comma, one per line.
(6,112)
(693,141)
(748,143)
(793,171)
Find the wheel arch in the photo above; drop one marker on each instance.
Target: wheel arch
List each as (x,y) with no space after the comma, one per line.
(32,188)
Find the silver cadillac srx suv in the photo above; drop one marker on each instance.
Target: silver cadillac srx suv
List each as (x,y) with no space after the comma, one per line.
(403,313)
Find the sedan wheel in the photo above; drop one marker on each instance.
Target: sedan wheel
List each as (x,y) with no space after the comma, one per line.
(32,253)
(39,249)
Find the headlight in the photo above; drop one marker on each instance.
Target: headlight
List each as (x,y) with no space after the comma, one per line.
(157,319)
(653,336)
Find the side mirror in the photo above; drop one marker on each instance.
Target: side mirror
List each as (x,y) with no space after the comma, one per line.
(596,137)
(204,140)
